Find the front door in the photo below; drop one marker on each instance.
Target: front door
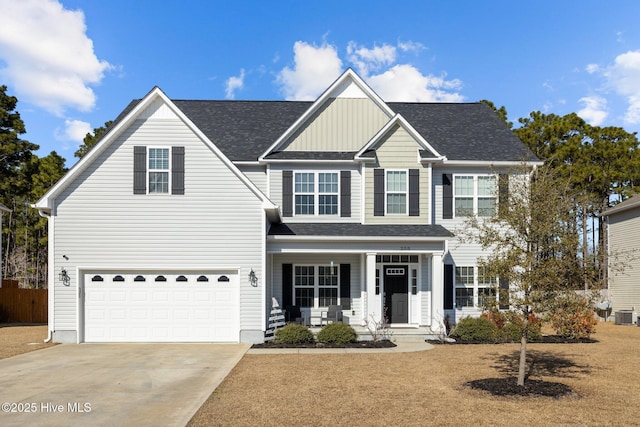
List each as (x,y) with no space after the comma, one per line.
(396,293)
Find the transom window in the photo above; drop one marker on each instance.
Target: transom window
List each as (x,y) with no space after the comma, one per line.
(396,191)
(158,170)
(316,286)
(475,195)
(316,193)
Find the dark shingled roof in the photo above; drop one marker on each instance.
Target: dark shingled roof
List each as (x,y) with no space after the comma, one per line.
(358,230)
(243,130)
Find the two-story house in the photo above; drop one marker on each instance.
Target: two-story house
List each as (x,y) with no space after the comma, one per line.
(188,217)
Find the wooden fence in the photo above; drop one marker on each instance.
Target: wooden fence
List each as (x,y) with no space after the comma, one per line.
(23,305)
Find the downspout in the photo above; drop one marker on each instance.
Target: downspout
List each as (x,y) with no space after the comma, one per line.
(50,275)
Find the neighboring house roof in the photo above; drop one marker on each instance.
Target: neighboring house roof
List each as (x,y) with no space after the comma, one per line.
(3,208)
(359,230)
(630,203)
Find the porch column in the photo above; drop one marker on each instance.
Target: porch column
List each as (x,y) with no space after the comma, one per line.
(371,289)
(437,292)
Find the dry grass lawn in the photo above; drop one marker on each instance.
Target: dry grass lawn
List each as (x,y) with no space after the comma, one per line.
(426,388)
(16,338)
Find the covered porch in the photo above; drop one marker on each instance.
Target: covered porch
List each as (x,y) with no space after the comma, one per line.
(391,274)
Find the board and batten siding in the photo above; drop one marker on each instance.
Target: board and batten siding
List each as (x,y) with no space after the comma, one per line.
(275,184)
(342,124)
(398,151)
(100,223)
(624,235)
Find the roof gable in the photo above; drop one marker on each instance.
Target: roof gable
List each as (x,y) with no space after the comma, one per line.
(349,86)
(154,105)
(425,150)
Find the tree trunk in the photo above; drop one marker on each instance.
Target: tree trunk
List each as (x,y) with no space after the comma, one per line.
(522,366)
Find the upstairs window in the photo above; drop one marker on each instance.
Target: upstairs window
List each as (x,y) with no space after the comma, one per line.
(158,170)
(316,193)
(396,191)
(475,195)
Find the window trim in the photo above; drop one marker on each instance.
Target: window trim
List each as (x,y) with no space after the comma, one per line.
(316,193)
(475,196)
(316,284)
(405,192)
(168,170)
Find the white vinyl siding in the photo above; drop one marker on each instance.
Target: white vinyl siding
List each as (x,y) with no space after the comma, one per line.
(217,224)
(624,235)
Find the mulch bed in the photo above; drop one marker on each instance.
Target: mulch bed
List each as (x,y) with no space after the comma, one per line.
(358,344)
(546,339)
(510,387)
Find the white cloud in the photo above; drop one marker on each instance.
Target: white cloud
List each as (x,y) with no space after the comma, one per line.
(74,130)
(49,58)
(592,68)
(405,83)
(594,110)
(315,68)
(410,46)
(367,60)
(233,84)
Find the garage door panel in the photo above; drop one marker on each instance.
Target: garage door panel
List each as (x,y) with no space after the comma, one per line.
(171,311)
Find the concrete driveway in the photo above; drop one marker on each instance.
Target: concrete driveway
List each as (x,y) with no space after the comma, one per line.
(112,384)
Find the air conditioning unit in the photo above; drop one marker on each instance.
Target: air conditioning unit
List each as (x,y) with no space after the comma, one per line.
(626,317)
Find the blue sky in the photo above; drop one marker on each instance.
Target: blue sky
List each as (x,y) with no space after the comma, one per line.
(75,64)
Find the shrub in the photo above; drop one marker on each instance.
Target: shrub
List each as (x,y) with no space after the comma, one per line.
(512,330)
(479,329)
(337,333)
(294,334)
(574,318)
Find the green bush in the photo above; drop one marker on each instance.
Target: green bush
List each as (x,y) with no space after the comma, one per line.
(512,330)
(337,333)
(478,329)
(294,334)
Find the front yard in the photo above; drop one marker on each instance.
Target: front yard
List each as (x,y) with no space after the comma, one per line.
(426,388)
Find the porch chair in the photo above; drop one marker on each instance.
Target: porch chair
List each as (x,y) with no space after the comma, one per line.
(293,314)
(333,314)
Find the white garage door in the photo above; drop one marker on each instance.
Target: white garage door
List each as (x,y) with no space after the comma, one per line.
(161,307)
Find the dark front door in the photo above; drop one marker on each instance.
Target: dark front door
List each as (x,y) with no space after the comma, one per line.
(396,293)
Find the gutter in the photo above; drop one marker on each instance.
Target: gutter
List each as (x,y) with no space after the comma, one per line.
(46,215)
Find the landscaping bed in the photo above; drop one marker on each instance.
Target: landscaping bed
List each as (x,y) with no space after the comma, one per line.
(357,344)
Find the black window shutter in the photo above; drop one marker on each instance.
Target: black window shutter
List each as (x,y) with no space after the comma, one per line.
(448,286)
(345,286)
(378,192)
(287,193)
(503,193)
(447,196)
(345,194)
(414,192)
(287,284)
(504,294)
(177,170)
(139,170)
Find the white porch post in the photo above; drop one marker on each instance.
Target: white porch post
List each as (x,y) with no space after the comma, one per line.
(371,288)
(437,291)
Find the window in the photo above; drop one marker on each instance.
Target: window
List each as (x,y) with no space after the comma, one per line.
(304,285)
(396,191)
(328,286)
(414,281)
(316,193)
(158,170)
(316,286)
(468,287)
(475,195)
(464,286)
